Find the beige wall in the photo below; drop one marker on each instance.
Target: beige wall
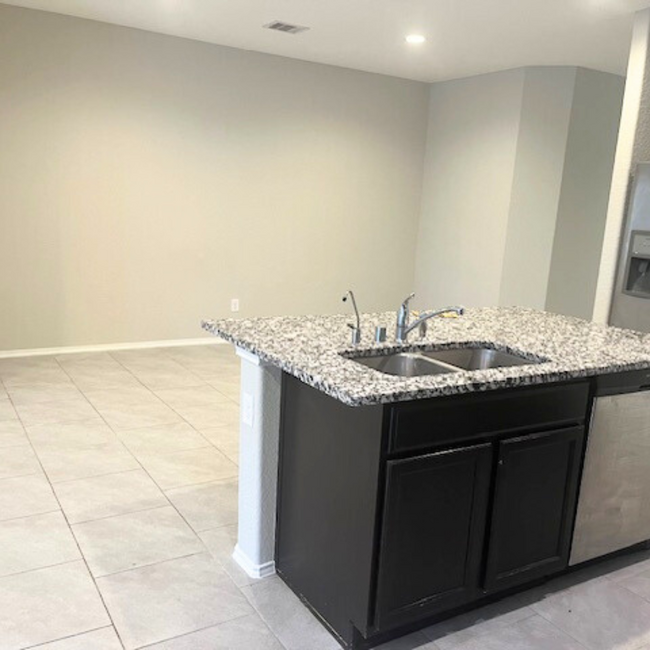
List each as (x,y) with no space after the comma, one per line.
(145,180)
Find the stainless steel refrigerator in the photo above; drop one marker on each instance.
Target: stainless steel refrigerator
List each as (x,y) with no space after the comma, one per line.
(631,301)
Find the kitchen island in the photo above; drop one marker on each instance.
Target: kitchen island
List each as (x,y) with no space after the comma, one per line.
(405,498)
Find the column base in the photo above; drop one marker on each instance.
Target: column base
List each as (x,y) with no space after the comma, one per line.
(253,570)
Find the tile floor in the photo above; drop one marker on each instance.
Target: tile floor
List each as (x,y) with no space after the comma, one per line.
(118,508)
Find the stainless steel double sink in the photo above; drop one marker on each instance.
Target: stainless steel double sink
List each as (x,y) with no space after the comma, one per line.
(435,362)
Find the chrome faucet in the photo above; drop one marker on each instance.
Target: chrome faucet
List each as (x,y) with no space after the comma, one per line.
(356,331)
(403,328)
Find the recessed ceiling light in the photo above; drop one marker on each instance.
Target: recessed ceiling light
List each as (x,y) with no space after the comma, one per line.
(415,39)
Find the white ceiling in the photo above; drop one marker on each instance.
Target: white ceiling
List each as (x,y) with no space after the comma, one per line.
(465,37)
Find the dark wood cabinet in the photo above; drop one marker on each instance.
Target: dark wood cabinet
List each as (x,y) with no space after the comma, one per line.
(433,529)
(393,516)
(534,505)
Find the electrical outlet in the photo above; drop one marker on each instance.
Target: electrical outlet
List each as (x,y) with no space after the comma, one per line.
(234,304)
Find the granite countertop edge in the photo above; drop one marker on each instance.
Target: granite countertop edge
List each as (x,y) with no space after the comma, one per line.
(314,350)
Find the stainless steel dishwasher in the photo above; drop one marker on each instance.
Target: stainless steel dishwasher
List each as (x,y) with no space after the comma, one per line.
(614,500)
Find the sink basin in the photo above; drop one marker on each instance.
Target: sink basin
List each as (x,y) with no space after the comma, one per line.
(436,362)
(405,364)
(478,358)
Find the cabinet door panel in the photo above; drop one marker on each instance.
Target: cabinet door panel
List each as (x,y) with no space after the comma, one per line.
(432,533)
(534,506)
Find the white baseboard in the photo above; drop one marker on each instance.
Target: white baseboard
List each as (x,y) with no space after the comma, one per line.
(253,570)
(109,347)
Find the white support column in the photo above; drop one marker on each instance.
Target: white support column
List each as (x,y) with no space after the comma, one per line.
(259,433)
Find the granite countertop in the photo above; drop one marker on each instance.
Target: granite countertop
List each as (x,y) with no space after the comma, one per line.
(312,348)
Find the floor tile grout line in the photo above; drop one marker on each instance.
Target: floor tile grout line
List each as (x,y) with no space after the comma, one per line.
(257,611)
(202,629)
(83,559)
(148,565)
(157,397)
(76,541)
(36,514)
(69,636)
(557,627)
(180,514)
(41,568)
(119,514)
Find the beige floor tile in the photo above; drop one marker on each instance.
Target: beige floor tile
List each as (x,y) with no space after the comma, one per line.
(12,434)
(131,408)
(109,495)
(226,440)
(221,542)
(223,436)
(228,386)
(82,434)
(7,411)
(180,398)
(289,620)
(455,631)
(188,467)
(67,464)
(181,596)
(599,613)
(33,394)
(161,439)
(65,410)
(113,378)
(207,362)
(85,359)
(202,416)
(22,375)
(209,505)
(245,633)
(533,633)
(48,604)
(103,639)
(25,496)
(228,418)
(35,542)
(18,461)
(135,540)
(158,370)
(139,355)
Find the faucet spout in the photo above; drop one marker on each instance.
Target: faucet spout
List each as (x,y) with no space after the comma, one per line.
(403,328)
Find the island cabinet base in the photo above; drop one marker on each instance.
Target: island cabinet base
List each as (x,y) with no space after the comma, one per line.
(394,516)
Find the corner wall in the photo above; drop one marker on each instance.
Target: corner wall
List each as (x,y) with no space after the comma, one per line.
(468,176)
(499,224)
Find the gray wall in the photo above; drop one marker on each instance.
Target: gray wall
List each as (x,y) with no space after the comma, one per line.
(468,175)
(582,210)
(145,180)
(517,175)
(535,194)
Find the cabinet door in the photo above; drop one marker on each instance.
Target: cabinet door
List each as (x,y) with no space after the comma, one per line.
(534,506)
(432,533)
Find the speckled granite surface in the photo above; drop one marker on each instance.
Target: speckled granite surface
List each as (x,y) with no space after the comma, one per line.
(312,348)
